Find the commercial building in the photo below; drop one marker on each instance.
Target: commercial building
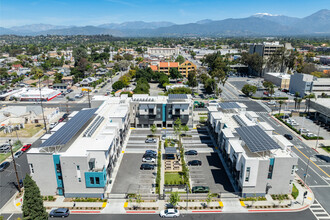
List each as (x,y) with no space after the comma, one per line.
(184,68)
(322,109)
(259,162)
(78,157)
(32,94)
(306,84)
(281,80)
(166,52)
(266,48)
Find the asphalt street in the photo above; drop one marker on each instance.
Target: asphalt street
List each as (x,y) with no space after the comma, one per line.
(303,215)
(318,175)
(8,177)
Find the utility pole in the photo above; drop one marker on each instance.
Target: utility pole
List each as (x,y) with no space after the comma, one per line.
(12,155)
(89,101)
(42,108)
(305,175)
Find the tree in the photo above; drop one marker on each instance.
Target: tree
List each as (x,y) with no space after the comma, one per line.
(210,85)
(177,127)
(185,128)
(249,90)
(78,54)
(139,59)
(58,77)
(118,85)
(174,198)
(118,57)
(192,79)
(281,102)
(128,56)
(153,129)
(163,80)
(254,61)
(180,59)
(296,95)
(32,203)
(308,101)
(209,198)
(175,74)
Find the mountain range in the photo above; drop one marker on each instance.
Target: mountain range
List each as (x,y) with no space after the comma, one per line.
(260,24)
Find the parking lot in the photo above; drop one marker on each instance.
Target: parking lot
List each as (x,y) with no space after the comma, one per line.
(130,179)
(312,127)
(211,173)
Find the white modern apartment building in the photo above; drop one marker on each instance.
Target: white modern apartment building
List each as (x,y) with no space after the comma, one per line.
(259,162)
(77,158)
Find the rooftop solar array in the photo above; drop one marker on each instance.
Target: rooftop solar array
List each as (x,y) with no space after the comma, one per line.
(256,139)
(177,96)
(70,129)
(229,105)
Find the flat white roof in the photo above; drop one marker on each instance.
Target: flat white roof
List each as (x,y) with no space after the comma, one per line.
(212,108)
(280,75)
(236,145)
(265,126)
(217,115)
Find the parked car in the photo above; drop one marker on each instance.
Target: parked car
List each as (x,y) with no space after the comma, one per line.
(170,157)
(60,120)
(195,163)
(148,159)
(71,99)
(60,212)
(150,155)
(52,125)
(284,116)
(169,213)
(151,152)
(163,136)
(4,148)
(65,116)
(146,166)
(4,165)
(271,103)
(26,147)
(288,136)
(303,130)
(150,140)
(191,152)
(18,154)
(200,189)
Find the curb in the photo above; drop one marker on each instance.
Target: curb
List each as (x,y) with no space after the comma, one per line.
(211,211)
(279,210)
(140,212)
(84,212)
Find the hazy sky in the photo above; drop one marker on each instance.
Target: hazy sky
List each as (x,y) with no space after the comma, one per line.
(94,12)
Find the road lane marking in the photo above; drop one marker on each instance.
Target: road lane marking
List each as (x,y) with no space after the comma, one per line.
(312,161)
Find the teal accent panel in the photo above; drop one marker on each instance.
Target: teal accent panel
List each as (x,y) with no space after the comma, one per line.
(164,112)
(91,177)
(58,173)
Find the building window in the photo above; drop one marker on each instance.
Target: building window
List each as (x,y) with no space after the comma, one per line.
(31,168)
(58,168)
(293,169)
(247,176)
(78,167)
(91,179)
(97,180)
(79,180)
(241,173)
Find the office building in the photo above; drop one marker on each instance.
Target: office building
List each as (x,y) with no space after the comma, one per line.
(259,161)
(306,84)
(77,158)
(265,49)
(184,68)
(165,52)
(281,80)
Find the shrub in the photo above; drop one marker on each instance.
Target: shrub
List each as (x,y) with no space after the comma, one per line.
(295,192)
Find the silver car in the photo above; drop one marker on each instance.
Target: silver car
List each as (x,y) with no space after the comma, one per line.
(169,213)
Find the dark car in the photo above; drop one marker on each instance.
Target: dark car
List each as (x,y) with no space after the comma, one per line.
(284,116)
(195,163)
(60,212)
(191,152)
(151,152)
(26,147)
(149,155)
(200,189)
(60,120)
(4,165)
(146,166)
(323,157)
(288,136)
(20,184)
(65,116)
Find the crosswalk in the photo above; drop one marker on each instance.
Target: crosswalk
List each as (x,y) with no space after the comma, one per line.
(318,211)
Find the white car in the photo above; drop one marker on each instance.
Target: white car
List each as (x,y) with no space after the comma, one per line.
(169,213)
(148,159)
(52,125)
(18,154)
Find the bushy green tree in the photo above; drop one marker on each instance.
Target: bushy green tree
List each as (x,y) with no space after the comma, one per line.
(33,207)
(175,74)
(118,85)
(174,198)
(249,90)
(180,59)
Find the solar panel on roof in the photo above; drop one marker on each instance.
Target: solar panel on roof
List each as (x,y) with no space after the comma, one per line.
(256,139)
(177,96)
(229,105)
(70,129)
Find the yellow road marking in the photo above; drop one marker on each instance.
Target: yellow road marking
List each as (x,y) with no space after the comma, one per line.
(132,128)
(18,204)
(312,162)
(220,204)
(242,203)
(125,204)
(309,198)
(104,205)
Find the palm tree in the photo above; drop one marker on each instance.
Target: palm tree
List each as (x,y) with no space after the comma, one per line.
(308,104)
(296,95)
(281,102)
(298,102)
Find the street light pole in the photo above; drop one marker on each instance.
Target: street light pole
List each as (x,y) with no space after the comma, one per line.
(305,175)
(42,108)
(187,189)
(12,154)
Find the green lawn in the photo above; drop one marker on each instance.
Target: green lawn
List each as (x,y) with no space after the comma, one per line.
(295,192)
(173,178)
(326,148)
